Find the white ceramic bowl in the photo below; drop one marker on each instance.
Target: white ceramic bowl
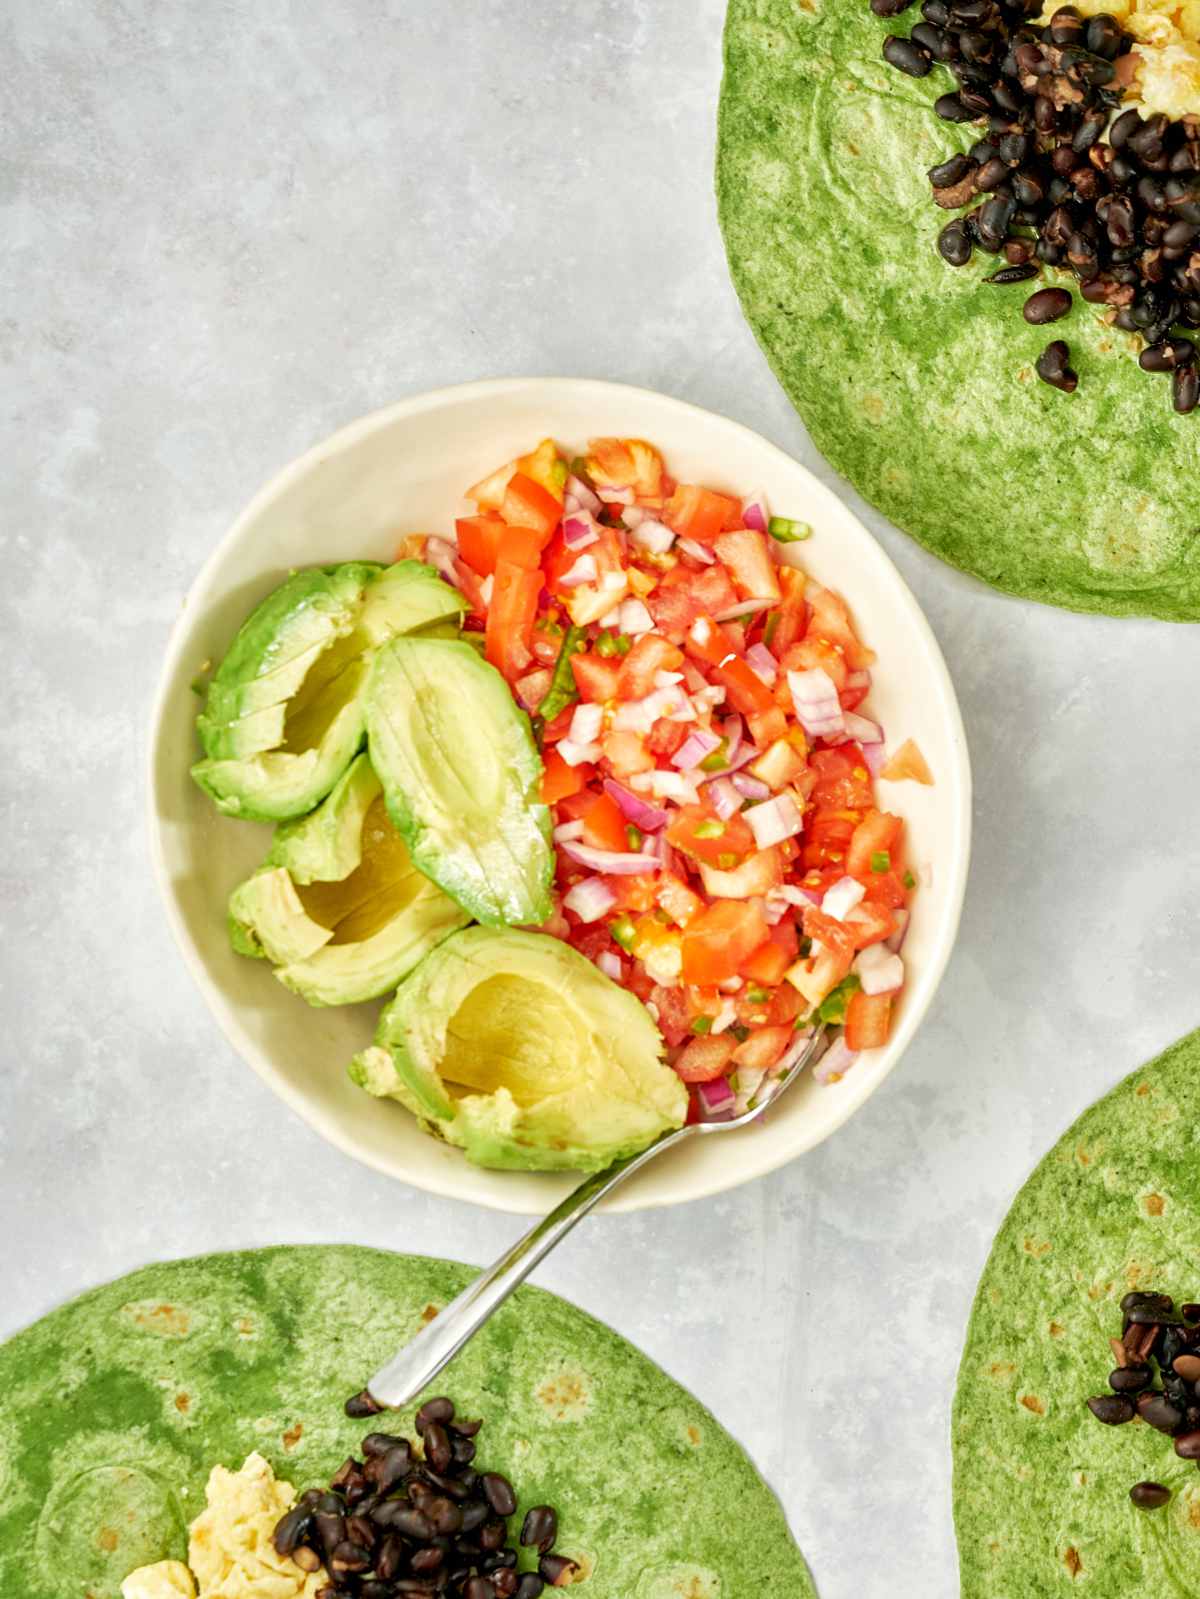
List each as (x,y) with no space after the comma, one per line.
(404,470)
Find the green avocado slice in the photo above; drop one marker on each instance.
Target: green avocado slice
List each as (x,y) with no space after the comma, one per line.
(283,716)
(460,772)
(517,1049)
(338,905)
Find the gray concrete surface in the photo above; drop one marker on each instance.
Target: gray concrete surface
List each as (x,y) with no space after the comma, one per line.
(227,229)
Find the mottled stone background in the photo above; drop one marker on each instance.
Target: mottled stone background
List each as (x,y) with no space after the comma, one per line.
(228,228)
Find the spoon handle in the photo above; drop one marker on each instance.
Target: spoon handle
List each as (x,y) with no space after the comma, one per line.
(418,1363)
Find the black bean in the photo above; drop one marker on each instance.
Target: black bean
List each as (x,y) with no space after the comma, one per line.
(1013,148)
(405,1519)
(292,1530)
(889,8)
(465,1429)
(1120,222)
(991,175)
(1066,26)
(474,1515)
(1083,255)
(378,1443)
(1158,1412)
(1167,357)
(907,57)
(1045,116)
(1128,122)
(995,217)
(948,173)
(1151,193)
(437,1447)
(362,1404)
(445,1515)
(430,1558)
(498,1560)
(530,1586)
(492,1534)
(1149,1495)
(976,47)
(1185,396)
(950,108)
(498,1492)
(330,1529)
(506,1582)
(1187,1446)
(1028,189)
(1112,1409)
(1122,171)
(1047,305)
(1141,1309)
(935,11)
(349,1557)
(1129,1379)
(439,1410)
(1089,130)
(389,1557)
(1020,273)
(1146,142)
(1104,36)
(556,1570)
(540,1527)
(1087,68)
(1007,99)
(480,1588)
(1190,1312)
(463,1450)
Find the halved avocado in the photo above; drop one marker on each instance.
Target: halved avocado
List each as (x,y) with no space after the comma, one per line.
(338,905)
(461,774)
(517,1049)
(284,714)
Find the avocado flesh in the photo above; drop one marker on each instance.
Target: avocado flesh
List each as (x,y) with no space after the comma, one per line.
(284,714)
(338,905)
(518,1050)
(461,775)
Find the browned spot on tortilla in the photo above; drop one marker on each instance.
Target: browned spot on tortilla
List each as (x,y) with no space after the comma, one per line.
(1057,1329)
(1099,1290)
(108,1538)
(853,148)
(1153,1204)
(428,1314)
(1142,1090)
(693,1437)
(566,1395)
(183,1403)
(1104,347)
(244,1327)
(1001,1368)
(1032,1403)
(1072,1561)
(168,1321)
(292,1436)
(872,404)
(1038,1249)
(1082,1156)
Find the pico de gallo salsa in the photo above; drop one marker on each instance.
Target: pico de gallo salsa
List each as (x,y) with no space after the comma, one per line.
(720,848)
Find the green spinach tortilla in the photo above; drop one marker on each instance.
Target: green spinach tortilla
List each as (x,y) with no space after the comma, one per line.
(116,1406)
(917,380)
(1041,1489)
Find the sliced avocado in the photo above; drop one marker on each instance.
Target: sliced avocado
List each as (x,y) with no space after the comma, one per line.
(284,714)
(461,775)
(517,1049)
(338,905)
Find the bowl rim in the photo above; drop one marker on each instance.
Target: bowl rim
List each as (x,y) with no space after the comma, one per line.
(225,1014)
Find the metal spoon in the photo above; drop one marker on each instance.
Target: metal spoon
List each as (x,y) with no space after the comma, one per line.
(418,1363)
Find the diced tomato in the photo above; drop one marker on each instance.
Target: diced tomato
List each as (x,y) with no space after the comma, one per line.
(544,465)
(652,653)
(854,693)
(708,642)
(833,935)
(677,899)
(786,1004)
(684,594)
(635,893)
(812,653)
(827,836)
(592,939)
(908,762)
(510,618)
(763,1048)
(843,781)
(665,737)
(748,560)
(532,689)
(626,463)
(767,965)
(868,1020)
(546,644)
(626,752)
(604,826)
(705,1058)
(479,541)
(521,546)
(716,942)
(869,922)
(595,678)
(758,874)
(560,780)
(573,806)
(786,624)
(528,504)
(558,726)
(557,559)
(887,889)
(831,620)
(767,726)
(698,831)
(674,1013)
(781,762)
(696,513)
(877,833)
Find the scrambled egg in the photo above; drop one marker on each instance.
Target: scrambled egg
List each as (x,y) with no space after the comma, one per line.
(230,1549)
(1167,48)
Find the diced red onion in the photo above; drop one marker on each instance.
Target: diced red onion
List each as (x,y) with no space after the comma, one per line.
(792,895)
(763,663)
(639,716)
(667,785)
(649,818)
(441,555)
(774,820)
(698,552)
(611,618)
(610,965)
(583,571)
(835,1062)
(896,941)
(880,970)
(743,608)
(792,1053)
(612,495)
(576,754)
(726,800)
(724,1019)
(486,587)
(858,680)
(531,689)
(750,787)
(749,1080)
(586,722)
(774,910)
(580,530)
(694,748)
(614,863)
(656,537)
(568,830)
(875,756)
(755,513)
(866,732)
(571,505)
(667,679)
(744,756)
(816,702)
(634,515)
(734,729)
(844,895)
(633,618)
(716,1099)
(590,900)
(577,487)
(731,985)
